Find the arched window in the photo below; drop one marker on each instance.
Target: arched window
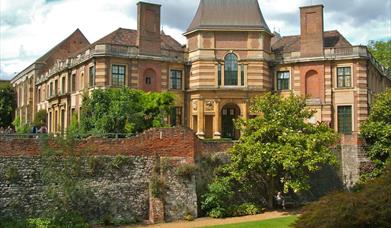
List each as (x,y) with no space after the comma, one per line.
(231,70)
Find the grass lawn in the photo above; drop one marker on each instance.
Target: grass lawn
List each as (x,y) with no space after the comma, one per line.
(272,223)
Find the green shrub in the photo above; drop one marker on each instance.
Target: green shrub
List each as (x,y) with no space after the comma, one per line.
(157,185)
(246,209)
(165,164)
(218,198)
(186,170)
(14,223)
(39,222)
(188,217)
(118,162)
(95,164)
(11,174)
(217,212)
(370,206)
(68,219)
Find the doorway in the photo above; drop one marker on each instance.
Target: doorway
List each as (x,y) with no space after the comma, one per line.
(229,113)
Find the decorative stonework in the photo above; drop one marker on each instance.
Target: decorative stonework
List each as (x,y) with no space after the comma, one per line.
(194,105)
(209,106)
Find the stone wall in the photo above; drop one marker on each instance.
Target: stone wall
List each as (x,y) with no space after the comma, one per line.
(119,178)
(120,193)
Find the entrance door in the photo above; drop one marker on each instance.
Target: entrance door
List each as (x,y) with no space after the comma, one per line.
(228,114)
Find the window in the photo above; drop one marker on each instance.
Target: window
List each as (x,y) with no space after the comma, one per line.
(219,74)
(176,116)
(73,83)
(344,76)
(176,79)
(242,75)
(39,95)
(148,80)
(283,80)
(231,70)
(82,81)
(63,85)
(51,89)
(345,119)
(55,87)
(91,76)
(118,75)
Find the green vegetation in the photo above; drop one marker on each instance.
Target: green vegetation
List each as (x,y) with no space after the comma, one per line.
(277,151)
(186,170)
(11,174)
(7,105)
(40,118)
(381,50)
(269,223)
(69,199)
(377,134)
(123,111)
(369,206)
(21,128)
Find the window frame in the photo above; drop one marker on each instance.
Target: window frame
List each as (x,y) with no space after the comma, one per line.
(118,74)
(91,80)
(285,82)
(344,76)
(231,70)
(176,79)
(345,121)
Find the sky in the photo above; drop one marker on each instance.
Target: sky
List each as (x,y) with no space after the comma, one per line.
(30,28)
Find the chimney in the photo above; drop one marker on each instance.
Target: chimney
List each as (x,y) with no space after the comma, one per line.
(311,38)
(148,26)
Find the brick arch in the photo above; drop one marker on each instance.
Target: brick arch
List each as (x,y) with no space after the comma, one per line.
(312,84)
(151,74)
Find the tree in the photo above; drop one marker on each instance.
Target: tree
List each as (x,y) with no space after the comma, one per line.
(377,133)
(277,150)
(7,105)
(123,111)
(381,50)
(40,118)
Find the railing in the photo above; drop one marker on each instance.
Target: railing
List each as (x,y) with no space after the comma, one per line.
(355,51)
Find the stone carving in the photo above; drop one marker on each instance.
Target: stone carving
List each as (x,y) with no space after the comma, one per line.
(209,106)
(194,105)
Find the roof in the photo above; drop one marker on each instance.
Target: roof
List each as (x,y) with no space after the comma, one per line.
(128,37)
(63,45)
(332,39)
(63,50)
(228,14)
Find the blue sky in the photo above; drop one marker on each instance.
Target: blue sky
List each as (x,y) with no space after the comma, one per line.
(29,28)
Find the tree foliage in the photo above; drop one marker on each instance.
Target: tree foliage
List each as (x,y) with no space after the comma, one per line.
(7,105)
(368,207)
(377,132)
(381,50)
(278,151)
(40,118)
(123,110)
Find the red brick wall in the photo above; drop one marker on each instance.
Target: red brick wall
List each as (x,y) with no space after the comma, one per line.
(311,38)
(165,142)
(150,68)
(169,142)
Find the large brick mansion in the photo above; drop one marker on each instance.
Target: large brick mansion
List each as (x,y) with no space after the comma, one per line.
(231,56)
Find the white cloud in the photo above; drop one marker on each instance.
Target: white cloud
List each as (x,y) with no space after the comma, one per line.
(29,28)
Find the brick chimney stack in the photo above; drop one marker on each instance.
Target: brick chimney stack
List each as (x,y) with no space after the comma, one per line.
(148,26)
(311,38)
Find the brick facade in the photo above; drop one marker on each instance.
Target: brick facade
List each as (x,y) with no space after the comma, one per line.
(210,87)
